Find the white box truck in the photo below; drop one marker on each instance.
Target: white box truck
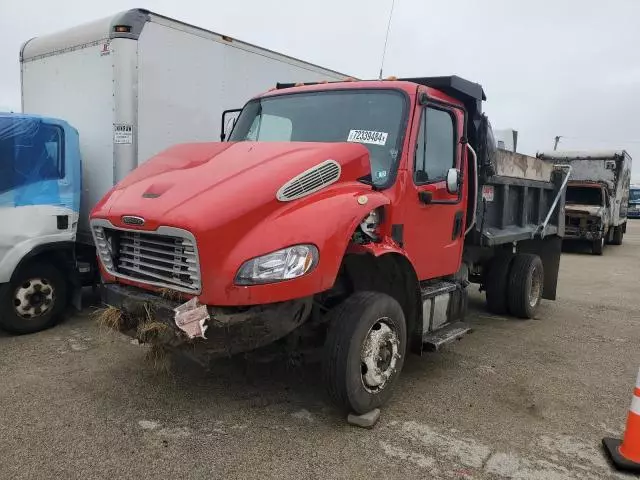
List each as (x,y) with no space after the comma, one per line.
(131,85)
(597,198)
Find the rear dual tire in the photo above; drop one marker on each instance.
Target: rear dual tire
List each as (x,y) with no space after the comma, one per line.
(514,284)
(618,234)
(496,283)
(526,280)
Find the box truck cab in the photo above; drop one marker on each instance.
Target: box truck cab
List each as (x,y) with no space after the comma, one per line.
(40,184)
(357,211)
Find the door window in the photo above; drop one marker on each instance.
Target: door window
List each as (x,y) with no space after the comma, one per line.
(435,148)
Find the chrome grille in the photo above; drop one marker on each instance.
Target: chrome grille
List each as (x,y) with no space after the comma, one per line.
(310,181)
(164,260)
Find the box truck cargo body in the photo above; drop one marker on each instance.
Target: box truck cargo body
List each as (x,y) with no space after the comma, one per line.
(131,85)
(137,82)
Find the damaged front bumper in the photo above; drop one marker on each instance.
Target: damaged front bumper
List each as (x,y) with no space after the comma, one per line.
(151,318)
(571,233)
(581,227)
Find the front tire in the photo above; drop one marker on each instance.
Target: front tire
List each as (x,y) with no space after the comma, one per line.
(364,351)
(33,300)
(598,246)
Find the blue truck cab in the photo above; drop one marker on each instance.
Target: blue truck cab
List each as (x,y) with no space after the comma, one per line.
(40,185)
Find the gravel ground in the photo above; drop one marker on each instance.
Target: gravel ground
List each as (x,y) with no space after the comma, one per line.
(515,399)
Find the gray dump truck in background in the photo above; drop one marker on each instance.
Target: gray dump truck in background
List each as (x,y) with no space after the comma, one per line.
(597,197)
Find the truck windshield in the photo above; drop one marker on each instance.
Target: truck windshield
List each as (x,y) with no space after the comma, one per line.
(584,196)
(30,151)
(374,118)
(634,195)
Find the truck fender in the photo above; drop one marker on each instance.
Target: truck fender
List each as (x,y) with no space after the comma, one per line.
(386,267)
(61,252)
(327,220)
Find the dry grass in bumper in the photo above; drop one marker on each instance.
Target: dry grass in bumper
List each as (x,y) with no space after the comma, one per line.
(161,338)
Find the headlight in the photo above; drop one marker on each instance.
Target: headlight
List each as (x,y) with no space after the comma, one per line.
(285,264)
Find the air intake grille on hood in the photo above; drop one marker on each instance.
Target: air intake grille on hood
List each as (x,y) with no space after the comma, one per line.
(310,181)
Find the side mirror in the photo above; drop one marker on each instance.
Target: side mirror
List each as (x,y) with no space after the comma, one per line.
(232,115)
(453,181)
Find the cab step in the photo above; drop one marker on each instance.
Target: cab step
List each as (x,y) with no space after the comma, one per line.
(434,341)
(434,289)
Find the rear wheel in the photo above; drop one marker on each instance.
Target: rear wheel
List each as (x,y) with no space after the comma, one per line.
(496,281)
(33,300)
(526,282)
(598,246)
(364,351)
(618,234)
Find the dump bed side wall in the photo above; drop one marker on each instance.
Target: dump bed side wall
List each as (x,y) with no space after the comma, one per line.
(512,209)
(516,165)
(187,77)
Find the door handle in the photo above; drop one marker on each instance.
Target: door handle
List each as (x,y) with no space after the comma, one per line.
(425,197)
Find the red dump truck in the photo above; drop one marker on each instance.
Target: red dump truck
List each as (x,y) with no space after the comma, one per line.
(358,211)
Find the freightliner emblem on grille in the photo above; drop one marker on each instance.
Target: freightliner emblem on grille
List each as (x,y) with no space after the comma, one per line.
(132,220)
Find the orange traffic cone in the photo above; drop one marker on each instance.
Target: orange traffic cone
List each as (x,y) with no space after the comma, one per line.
(625,454)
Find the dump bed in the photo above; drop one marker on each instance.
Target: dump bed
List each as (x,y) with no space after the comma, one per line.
(519,198)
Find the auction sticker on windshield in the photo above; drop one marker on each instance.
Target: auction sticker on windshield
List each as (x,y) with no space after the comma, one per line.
(367,136)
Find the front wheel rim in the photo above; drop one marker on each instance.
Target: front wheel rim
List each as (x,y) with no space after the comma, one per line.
(33,298)
(379,355)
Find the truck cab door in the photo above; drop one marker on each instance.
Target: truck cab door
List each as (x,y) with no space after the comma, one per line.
(434,231)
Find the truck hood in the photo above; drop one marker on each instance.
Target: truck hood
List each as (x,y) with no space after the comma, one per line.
(225,179)
(577,209)
(225,195)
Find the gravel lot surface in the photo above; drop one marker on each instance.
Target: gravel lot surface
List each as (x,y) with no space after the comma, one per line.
(515,399)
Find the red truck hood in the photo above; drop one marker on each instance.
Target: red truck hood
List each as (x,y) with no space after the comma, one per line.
(223,179)
(225,195)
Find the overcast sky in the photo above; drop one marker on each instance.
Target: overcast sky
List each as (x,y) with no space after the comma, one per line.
(549,67)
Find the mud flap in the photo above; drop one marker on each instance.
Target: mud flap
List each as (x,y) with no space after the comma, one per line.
(76,297)
(549,250)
